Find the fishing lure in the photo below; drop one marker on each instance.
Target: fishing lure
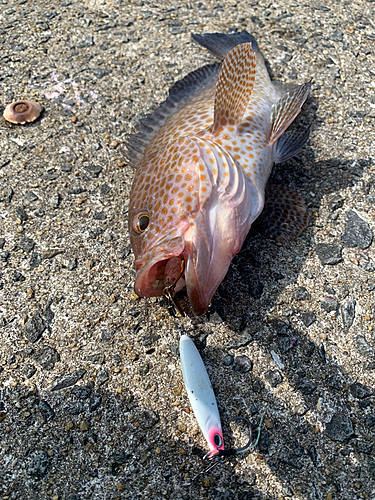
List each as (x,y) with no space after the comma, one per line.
(203,402)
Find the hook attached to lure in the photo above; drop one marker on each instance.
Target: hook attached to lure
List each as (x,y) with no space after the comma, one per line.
(203,402)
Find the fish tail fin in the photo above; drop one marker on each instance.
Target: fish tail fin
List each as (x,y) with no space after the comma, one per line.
(234,86)
(219,44)
(291,143)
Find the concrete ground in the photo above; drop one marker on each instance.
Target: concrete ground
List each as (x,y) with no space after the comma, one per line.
(92,403)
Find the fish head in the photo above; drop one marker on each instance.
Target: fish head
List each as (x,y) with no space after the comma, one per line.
(182,219)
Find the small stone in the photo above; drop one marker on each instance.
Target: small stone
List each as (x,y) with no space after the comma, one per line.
(227,360)
(364,447)
(67,380)
(150,339)
(69,426)
(47,357)
(81,391)
(30,197)
(39,212)
(96,358)
(84,426)
(289,458)
(51,253)
(308,318)
(35,260)
(106,335)
(4,255)
(206,482)
(348,314)
(29,371)
(102,377)
(55,200)
(370,421)
(336,36)
(34,328)
(357,232)
(150,418)
(273,377)
(302,294)
(26,244)
(72,264)
(95,402)
(280,325)
(17,277)
(94,170)
(329,304)
(22,214)
(340,428)
(329,254)
(359,391)
(39,464)
(46,410)
(104,189)
(363,347)
(242,341)
(335,203)
(242,364)
(306,386)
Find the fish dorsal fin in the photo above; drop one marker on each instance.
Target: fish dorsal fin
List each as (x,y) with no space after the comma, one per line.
(234,86)
(219,44)
(179,95)
(284,111)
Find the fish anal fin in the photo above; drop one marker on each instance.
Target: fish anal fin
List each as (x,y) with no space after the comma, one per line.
(285,110)
(291,143)
(234,86)
(285,215)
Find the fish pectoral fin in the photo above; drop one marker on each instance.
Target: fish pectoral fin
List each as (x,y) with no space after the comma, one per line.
(219,44)
(234,86)
(285,110)
(285,215)
(291,143)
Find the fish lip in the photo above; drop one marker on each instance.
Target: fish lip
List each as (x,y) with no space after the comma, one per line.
(151,265)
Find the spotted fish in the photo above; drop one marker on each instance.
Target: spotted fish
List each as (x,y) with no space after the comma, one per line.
(202,162)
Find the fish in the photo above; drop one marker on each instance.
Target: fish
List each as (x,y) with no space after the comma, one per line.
(201,395)
(202,161)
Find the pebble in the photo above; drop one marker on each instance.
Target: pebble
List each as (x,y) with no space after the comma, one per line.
(289,458)
(35,260)
(21,212)
(363,347)
(357,232)
(102,377)
(95,402)
(242,341)
(308,318)
(339,428)
(359,391)
(46,410)
(55,200)
(273,377)
(242,364)
(39,464)
(348,314)
(329,253)
(302,294)
(26,244)
(306,386)
(39,212)
(47,357)
(81,391)
(17,276)
(29,371)
(4,255)
(84,426)
(227,360)
(67,380)
(94,170)
(329,304)
(34,328)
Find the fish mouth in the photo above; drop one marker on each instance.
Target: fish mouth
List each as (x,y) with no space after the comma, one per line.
(164,269)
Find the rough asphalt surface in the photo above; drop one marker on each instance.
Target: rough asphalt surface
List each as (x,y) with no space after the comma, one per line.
(92,399)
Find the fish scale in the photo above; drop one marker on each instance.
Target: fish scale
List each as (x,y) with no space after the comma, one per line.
(201,176)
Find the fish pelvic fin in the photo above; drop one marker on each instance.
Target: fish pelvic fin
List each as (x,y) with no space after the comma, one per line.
(285,215)
(219,44)
(234,87)
(285,110)
(291,143)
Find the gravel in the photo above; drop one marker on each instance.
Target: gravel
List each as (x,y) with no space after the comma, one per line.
(67,309)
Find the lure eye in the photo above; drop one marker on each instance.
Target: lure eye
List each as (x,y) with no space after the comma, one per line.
(217,440)
(141,223)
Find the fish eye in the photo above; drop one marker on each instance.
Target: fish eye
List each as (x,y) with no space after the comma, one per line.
(217,440)
(141,223)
